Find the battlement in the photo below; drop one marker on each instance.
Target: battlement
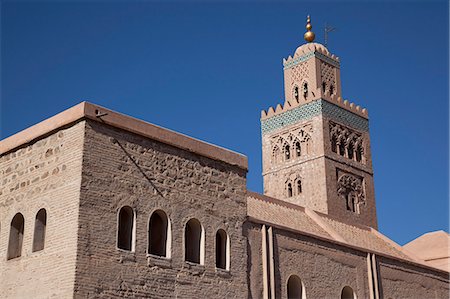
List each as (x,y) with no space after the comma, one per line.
(334,99)
(308,51)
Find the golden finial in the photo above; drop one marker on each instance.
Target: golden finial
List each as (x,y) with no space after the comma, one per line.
(309,35)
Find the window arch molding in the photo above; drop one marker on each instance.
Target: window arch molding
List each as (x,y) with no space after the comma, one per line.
(40,227)
(16,231)
(222,247)
(347,292)
(305,88)
(126,228)
(295,288)
(194,241)
(159,234)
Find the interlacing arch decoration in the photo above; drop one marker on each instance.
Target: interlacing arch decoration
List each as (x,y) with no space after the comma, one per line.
(290,146)
(347,143)
(293,187)
(351,190)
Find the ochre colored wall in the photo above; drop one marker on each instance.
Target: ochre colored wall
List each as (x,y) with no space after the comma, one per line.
(43,174)
(120,168)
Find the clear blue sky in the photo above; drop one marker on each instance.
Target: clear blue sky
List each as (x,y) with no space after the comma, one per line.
(207,69)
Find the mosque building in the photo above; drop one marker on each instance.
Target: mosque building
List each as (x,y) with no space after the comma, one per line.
(97,204)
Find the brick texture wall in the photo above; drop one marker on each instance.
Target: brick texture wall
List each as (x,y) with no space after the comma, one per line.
(400,280)
(44,174)
(120,168)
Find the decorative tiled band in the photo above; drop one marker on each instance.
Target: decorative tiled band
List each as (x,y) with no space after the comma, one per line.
(312,109)
(309,55)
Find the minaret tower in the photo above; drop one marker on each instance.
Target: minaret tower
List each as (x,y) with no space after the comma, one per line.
(316,146)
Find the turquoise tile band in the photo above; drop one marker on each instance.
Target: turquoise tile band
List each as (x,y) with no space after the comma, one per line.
(312,109)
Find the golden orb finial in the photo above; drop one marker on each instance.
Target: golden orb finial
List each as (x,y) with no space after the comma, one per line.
(309,35)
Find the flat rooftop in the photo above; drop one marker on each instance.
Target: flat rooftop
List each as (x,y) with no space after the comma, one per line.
(86,110)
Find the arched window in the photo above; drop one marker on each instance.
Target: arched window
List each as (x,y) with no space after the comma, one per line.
(159,234)
(296,93)
(359,153)
(299,186)
(194,243)
(295,289)
(298,149)
(16,236)
(324,87)
(222,250)
(331,89)
(305,89)
(287,152)
(334,144)
(350,150)
(342,148)
(289,190)
(40,224)
(125,229)
(347,293)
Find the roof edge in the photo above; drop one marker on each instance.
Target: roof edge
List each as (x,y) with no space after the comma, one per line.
(100,114)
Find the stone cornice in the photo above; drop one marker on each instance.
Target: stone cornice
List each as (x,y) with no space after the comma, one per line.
(97,113)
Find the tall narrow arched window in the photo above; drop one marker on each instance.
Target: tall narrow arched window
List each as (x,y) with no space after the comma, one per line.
(334,144)
(40,224)
(16,236)
(298,149)
(347,293)
(287,152)
(305,89)
(295,289)
(359,153)
(222,250)
(296,94)
(350,150)
(331,89)
(289,190)
(299,186)
(159,234)
(194,243)
(125,229)
(342,148)
(324,87)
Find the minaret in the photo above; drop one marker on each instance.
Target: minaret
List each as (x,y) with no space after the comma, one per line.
(316,146)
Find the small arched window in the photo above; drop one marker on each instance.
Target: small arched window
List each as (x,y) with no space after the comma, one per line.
(305,89)
(159,234)
(125,229)
(295,289)
(347,293)
(342,148)
(350,150)
(16,236)
(289,190)
(299,186)
(222,250)
(40,224)
(298,149)
(287,152)
(296,94)
(194,242)
(324,87)
(359,153)
(331,89)
(334,144)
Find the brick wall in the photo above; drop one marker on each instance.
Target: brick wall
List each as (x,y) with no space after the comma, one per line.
(120,168)
(400,280)
(324,268)
(44,174)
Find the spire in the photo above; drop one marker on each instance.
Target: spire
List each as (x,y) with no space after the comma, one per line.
(309,35)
